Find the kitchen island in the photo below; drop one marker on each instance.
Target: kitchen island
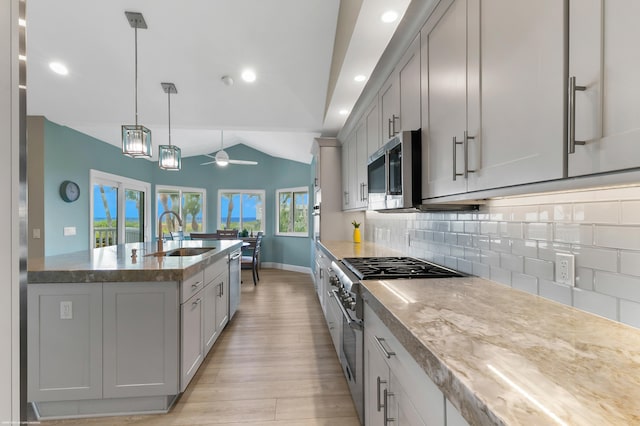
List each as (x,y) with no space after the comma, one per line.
(123,329)
(498,356)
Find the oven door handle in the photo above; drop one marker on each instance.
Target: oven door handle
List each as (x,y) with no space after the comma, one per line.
(354,324)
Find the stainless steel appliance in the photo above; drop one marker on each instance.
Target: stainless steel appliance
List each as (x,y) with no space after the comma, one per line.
(394,173)
(347,293)
(234,281)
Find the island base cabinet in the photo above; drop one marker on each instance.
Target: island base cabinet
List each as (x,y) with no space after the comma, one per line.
(140,339)
(192,343)
(65,341)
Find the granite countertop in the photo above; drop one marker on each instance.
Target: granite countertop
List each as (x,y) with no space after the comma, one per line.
(342,249)
(115,263)
(503,356)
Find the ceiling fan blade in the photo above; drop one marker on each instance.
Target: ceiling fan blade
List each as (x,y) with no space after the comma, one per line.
(209,155)
(244,162)
(208,162)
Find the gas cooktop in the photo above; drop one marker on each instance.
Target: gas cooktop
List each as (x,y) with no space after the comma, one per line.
(379,268)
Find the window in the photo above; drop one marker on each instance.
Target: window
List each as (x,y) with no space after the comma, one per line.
(187,203)
(119,209)
(241,209)
(293,212)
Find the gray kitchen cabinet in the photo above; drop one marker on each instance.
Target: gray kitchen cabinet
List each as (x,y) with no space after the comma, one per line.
(354,168)
(374,127)
(327,152)
(361,165)
(140,323)
(390,107)
(334,321)
(191,339)
(604,59)
(209,323)
(347,161)
(394,383)
(409,85)
(222,301)
(65,341)
(494,112)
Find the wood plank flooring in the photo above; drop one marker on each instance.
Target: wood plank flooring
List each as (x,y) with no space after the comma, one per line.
(274,364)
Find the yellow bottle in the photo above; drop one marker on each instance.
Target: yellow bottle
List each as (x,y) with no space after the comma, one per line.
(356,235)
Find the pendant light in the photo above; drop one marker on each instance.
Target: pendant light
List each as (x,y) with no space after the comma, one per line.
(169,157)
(136,139)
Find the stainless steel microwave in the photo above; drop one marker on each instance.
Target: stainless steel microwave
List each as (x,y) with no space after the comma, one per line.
(394,173)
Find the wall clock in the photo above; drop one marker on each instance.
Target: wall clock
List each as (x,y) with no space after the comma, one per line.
(69,191)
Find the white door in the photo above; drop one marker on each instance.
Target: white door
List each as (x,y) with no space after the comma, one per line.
(390,107)
(373,128)
(345,175)
(516,48)
(209,321)
(445,47)
(361,164)
(409,79)
(192,348)
(604,58)
(376,382)
(222,302)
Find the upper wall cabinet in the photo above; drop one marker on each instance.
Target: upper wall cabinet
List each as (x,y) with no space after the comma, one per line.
(400,95)
(492,71)
(604,60)
(374,141)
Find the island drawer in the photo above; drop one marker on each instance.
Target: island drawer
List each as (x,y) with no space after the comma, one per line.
(212,271)
(191,286)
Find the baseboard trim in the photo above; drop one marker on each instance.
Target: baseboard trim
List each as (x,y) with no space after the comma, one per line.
(292,268)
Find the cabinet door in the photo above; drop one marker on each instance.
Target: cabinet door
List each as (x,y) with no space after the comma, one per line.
(400,406)
(192,341)
(444,44)
(222,302)
(209,321)
(454,418)
(361,164)
(65,341)
(409,79)
(521,139)
(140,339)
(376,382)
(373,128)
(334,321)
(345,174)
(390,107)
(604,58)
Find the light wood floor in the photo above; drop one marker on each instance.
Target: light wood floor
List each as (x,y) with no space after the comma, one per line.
(274,364)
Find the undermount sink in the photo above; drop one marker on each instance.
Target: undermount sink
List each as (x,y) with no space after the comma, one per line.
(184,251)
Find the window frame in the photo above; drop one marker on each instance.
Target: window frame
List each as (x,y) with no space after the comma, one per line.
(261,192)
(122,183)
(292,191)
(181,190)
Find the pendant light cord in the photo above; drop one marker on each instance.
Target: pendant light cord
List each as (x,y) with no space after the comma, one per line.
(169,98)
(136,68)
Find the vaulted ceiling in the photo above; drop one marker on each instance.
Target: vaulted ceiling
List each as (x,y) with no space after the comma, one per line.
(305,54)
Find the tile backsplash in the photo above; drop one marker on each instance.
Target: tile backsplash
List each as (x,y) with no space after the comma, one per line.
(514,241)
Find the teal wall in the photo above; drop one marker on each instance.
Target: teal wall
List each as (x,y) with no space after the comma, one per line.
(69,155)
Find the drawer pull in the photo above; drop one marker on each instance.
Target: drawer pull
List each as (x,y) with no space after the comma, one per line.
(386,352)
(387,419)
(379,382)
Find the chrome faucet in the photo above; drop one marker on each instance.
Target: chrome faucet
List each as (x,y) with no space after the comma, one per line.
(160,226)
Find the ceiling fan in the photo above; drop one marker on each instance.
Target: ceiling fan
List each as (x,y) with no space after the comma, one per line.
(222,158)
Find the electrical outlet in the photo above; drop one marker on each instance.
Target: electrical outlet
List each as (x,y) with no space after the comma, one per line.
(566,269)
(66,309)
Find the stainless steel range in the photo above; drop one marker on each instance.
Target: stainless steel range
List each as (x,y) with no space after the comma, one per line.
(346,292)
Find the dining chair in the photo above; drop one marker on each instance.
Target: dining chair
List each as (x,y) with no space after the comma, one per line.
(251,258)
(204,236)
(228,234)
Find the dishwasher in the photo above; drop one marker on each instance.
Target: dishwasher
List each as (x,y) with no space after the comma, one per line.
(234,281)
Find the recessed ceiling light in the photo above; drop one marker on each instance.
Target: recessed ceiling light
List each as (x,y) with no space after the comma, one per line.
(249,76)
(343,112)
(359,78)
(389,16)
(58,68)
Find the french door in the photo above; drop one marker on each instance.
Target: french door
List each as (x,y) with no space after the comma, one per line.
(120,210)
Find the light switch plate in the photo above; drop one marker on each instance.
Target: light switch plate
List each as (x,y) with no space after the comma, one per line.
(566,269)
(69,231)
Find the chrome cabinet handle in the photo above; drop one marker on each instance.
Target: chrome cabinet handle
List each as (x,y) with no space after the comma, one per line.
(455,158)
(393,123)
(321,274)
(572,114)
(389,133)
(467,138)
(384,350)
(235,256)
(387,419)
(365,196)
(196,302)
(379,382)
(195,286)
(330,293)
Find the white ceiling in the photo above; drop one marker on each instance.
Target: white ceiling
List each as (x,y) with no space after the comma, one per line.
(193,43)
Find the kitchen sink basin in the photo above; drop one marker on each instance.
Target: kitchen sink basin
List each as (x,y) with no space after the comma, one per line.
(184,251)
